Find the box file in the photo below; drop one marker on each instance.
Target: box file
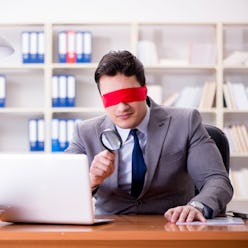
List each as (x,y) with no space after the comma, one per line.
(71,47)
(62,47)
(55,91)
(70,91)
(63,90)
(74,46)
(41,47)
(33,47)
(36,135)
(62,133)
(87,48)
(55,135)
(25,48)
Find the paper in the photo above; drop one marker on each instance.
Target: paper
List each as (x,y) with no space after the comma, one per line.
(218,221)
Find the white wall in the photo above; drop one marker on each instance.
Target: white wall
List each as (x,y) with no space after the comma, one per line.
(123,10)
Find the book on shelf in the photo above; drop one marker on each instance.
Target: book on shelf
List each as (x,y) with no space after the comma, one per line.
(208,95)
(63,90)
(238,138)
(74,46)
(36,135)
(189,97)
(236,58)
(240,183)
(33,47)
(235,95)
(2,90)
(201,97)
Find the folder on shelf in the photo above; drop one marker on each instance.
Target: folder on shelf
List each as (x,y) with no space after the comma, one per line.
(41,47)
(40,135)
(25,48)
(55,135)
(62,90)
(87,47)
(36,135)
(71,91)
(70,130)
(62,135)
(33,128)
(79,47)
(71,47)
(55,91)
(62,47)
(33,47)
(2,90)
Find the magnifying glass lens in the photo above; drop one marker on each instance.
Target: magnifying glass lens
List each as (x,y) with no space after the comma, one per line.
(111,140)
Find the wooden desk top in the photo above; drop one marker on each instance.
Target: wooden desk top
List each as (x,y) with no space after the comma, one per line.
(124,228)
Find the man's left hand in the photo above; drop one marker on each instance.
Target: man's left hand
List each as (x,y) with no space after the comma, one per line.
(185,213)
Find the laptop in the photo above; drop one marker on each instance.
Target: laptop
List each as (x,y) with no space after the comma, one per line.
(46,188)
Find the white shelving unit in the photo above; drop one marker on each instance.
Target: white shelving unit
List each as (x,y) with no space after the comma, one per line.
(29,85)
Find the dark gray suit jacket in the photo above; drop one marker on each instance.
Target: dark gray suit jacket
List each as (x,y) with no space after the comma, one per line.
(180,155)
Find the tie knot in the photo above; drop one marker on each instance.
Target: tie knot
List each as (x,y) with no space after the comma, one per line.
(134,132)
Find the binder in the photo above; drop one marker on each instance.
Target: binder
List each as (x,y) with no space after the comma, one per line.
(79,47)
(25,48)
(87,47)
(71,48)
(33,137)
(62,46)
(70,131)
(62,135)
(71,91)
(62,90)
(33,47)
(55,135)
(40,135)
(41,47)
(55,91)
(2,90)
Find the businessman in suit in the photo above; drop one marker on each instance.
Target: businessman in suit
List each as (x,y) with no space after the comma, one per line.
(178,153)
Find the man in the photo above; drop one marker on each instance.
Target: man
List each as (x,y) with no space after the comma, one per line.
(178,154)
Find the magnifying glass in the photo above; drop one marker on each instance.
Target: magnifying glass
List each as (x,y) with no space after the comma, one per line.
(111,140)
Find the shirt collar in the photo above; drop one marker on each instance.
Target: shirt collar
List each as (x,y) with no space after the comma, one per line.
(142,127)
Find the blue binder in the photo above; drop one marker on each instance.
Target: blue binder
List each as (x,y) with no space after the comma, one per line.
(62,47)
(87,47)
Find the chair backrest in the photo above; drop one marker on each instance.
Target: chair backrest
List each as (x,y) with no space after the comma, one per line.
(221,142)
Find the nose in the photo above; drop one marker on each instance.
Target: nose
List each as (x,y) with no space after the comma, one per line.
(122,106)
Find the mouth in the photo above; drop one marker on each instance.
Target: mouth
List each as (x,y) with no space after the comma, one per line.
(124,116)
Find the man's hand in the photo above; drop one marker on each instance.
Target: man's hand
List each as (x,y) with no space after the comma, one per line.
(185,213)
(101,167)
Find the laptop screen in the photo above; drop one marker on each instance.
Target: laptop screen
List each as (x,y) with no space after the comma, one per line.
(45,188)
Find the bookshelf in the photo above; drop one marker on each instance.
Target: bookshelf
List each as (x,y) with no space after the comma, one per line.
(169,51)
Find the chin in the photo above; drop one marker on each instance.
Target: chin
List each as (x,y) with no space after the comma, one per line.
(125,125)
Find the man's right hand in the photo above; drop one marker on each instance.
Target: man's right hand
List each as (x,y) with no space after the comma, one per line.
(101,167)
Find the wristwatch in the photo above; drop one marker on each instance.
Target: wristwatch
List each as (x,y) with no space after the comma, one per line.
(198,205)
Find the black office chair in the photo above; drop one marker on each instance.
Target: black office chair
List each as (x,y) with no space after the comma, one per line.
(221,142)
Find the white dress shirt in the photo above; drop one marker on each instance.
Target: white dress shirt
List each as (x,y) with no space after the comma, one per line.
(125,153)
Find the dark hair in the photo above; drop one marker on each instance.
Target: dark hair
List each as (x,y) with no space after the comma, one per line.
(120,62)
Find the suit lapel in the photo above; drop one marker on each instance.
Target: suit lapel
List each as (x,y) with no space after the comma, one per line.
(157,131)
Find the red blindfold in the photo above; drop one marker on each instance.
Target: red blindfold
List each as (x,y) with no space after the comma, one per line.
(124,95)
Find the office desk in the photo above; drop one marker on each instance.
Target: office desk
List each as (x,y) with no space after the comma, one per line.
(125,231)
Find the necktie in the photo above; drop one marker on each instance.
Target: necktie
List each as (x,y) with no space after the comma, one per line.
(138,166)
